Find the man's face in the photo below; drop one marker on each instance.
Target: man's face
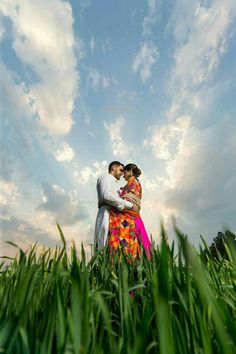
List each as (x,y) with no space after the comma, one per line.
(118,171)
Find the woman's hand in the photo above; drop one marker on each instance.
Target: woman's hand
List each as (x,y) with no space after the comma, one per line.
(136,209)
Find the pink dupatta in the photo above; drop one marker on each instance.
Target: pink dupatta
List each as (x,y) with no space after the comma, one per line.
(141,234)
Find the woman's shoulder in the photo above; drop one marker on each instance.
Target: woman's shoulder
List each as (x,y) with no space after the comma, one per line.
(134,186)
(133,181)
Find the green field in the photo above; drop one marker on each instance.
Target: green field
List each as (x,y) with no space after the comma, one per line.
(182,301)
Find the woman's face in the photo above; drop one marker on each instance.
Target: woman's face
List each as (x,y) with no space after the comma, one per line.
(127,174)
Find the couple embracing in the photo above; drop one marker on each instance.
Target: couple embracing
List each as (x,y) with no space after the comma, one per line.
(118,224)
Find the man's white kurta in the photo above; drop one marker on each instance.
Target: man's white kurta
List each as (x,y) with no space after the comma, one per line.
(108,196)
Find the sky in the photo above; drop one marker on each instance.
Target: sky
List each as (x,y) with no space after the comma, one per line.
(87,82)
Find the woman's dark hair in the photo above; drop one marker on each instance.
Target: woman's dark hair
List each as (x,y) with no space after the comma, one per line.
(134,168)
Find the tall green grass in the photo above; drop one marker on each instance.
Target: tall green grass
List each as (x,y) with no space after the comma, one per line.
(180,301)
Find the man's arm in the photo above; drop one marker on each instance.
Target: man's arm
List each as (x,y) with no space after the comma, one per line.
(108,197)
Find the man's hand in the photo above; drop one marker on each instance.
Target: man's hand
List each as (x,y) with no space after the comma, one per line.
(135,208)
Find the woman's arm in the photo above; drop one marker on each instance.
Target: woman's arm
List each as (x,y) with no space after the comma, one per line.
(134,186)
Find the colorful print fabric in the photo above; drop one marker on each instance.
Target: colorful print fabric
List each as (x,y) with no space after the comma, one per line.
(132,186)
(121,238)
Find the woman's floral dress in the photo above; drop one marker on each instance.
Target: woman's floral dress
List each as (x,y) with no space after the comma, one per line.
(121,238)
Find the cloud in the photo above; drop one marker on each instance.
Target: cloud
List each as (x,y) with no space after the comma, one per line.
(2,30)
(145,59)
(66,153)
(9,193)
(151,19)
(64,207)
(97,80)
(152,183)
(90,173)
(106,45)
(23,233)
(84,175)
(197,186)
(201,176)
(14,104)
(148,53)
(197,157)
(15,97)
(21,130)
(119,147)
(46,48)
(92,45)
(15,225)
(18,229)
(201,34)
(201,41)
(6,162)
(167,138)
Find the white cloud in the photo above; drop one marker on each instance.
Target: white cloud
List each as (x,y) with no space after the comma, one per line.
(97,80)
(2,30)
(197,56)
(145,59)
(114,129)
(47,48)
(148,53)
(64,206)
(15,97)
(105,82)
(66,153)
(119,147)
(9,193)
(84,175)
(151,19)
(198,163)
(197,186)
(151,183)
(90,173)
(24,233)
(202,176)
(92,45)
(21,129)
(106,45)
(166,139)
(201,34)
(152,5)
(57,205)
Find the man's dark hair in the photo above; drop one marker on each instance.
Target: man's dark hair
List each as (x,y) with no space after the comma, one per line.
(114,163)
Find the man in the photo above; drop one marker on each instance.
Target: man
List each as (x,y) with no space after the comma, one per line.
(108,196)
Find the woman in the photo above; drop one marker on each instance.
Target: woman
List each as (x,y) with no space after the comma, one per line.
(126,229)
